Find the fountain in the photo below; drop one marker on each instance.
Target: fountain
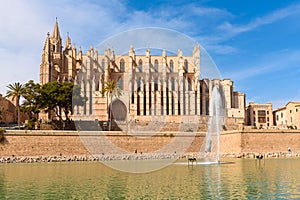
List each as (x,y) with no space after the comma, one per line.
(211,152)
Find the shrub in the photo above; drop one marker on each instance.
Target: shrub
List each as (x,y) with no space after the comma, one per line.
(189,130)
(30,125)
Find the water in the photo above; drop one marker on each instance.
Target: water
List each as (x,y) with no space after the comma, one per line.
(211,150)
(243,179)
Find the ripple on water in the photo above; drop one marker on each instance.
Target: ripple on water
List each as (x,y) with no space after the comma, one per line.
(243,179)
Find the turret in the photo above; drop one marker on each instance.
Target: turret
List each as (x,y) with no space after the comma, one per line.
(68,42)
(45,69)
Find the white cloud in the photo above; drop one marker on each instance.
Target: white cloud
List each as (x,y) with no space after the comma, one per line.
(272,62)
(23,32)
(233,30)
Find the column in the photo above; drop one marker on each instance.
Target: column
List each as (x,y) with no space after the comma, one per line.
(192,103)
(142,97)
(135,94)
(146,95)
(81,108)
(93,101)
(186,96)
(88,96)
(176,97)
(170,96)
(181,95)
(198,98)
(129,95)
(166,86)
(159,106)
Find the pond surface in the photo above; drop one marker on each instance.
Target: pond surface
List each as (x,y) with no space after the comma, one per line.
(243,179)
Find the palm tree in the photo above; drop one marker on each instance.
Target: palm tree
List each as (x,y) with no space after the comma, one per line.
(111,89)
(15,91)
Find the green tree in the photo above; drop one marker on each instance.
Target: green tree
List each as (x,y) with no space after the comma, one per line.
(15,91)
(57,97)
(31,104)
(111,89)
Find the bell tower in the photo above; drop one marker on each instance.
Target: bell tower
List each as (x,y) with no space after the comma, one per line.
(51,64)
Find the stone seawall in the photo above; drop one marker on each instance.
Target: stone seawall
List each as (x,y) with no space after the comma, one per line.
(270,141)
(69,143)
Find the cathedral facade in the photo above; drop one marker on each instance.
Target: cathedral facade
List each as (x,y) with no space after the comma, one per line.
(151,85)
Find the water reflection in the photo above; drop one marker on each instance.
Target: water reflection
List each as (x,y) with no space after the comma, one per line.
(244,179)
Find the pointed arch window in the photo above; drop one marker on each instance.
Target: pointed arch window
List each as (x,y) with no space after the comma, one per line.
(156,84)
(156,65)
(172,84)
(121,83)
(171,66)
(189,84)
(186,66)
(138,84)
(140,65)
(122,65)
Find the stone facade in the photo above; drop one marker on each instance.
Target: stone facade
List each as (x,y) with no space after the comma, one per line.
(8,111)
(259,115)
(288,116)
(151,85)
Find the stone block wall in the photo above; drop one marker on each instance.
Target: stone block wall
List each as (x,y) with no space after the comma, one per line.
(264,141)
(68,143)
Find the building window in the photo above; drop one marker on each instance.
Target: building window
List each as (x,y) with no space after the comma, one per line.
(173,105)
(171,66)
(253,112)
(189,84)
(155,85)
(172,84)
(156,65)
(261,120)
(281,115)
(261,113)
(277,117)
(122,65)
(140,65)
(186,66)
(267,112)
(139,84)
(268,119)
(290,111)
(121,83)
(296,109)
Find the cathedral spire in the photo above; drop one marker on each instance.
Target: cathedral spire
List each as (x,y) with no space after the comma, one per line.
(56,33)
(56,40)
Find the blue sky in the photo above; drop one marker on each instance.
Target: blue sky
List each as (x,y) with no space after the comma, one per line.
(254,43)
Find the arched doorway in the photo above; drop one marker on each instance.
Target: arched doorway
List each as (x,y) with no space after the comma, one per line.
(119,110)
